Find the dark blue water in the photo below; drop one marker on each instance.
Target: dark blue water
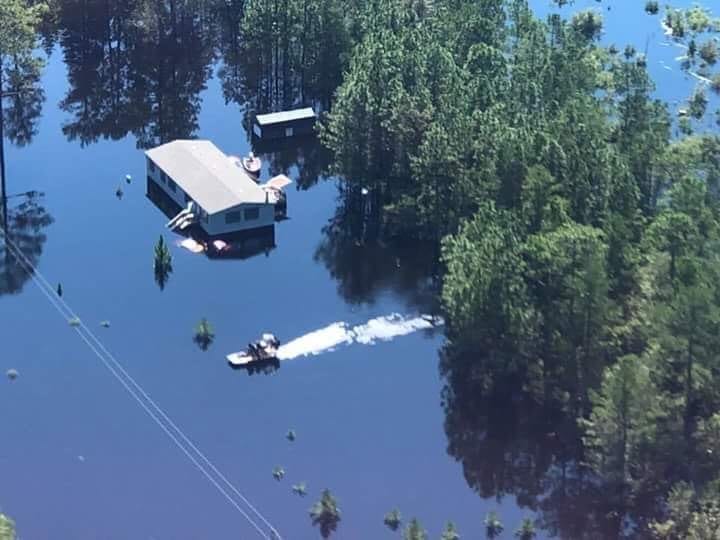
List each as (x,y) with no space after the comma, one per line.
(80,460)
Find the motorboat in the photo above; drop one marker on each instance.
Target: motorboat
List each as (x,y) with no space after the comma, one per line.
(263,350)
(252,165)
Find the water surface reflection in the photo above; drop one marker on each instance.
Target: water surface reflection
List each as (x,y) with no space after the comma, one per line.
(24,219)
(367,263)
(134,67)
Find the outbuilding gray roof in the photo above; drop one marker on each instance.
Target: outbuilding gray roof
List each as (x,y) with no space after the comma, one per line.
(285,116)
(206,174)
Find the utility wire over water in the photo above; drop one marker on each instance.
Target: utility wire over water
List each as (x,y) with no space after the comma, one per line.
(226,488)
(340,333)
(324,340)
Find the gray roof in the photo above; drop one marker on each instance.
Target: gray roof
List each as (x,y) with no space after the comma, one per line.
(206,174)
(285,116)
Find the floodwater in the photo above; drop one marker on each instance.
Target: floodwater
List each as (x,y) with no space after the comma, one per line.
(79,459)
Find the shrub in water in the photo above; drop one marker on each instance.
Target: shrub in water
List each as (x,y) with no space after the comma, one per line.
(325,514)
(204,335)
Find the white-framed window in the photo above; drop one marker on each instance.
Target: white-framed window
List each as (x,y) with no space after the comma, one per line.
(289,132)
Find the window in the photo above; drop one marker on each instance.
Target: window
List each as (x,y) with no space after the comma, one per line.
(188,198)
(163,178)
(289,132)
(233,217)
(151,165)
(172,185)
(252,213)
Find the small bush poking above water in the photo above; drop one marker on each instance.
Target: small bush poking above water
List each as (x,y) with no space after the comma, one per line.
(698,104)
(163,263)
(709,52)
(325,514)
(450,532)
(204,335)
(414,531)
(587,23)
(526,530)
(393,519)
(493,525)
(652,7)
(291,436)
(300,489)
(715,83)
(278,473)
(74,322)
(7,528)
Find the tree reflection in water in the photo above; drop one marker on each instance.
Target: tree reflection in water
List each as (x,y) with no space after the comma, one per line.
(366,261)
(305,153)
(23,225)
(24,100)
(23,217)
(513,436)
(135,67)
(138,67)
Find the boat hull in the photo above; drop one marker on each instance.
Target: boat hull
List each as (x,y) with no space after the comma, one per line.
(243,359)
(264,366)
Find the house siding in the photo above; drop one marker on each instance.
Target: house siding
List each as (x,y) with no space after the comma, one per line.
(217,223)
(164,181)
(280,129)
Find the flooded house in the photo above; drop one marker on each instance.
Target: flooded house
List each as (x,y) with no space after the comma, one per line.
(212,191)
(238,245)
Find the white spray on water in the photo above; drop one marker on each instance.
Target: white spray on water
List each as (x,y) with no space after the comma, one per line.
(379,329)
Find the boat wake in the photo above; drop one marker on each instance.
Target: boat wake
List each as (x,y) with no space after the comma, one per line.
(317,342)
(340,333)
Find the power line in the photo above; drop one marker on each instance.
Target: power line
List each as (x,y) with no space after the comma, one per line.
(59,305)
(116,368)
(160,411)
